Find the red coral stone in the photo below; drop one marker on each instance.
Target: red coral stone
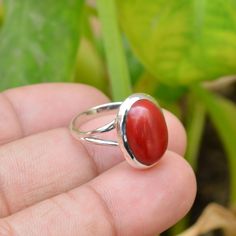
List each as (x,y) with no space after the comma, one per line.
(146,132)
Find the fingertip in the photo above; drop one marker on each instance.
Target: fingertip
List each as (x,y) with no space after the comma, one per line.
(186,186)
(150,201)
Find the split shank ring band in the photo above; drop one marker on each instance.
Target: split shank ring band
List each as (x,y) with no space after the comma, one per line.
(140,126)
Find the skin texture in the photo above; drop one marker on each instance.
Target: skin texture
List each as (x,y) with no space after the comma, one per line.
(52,184)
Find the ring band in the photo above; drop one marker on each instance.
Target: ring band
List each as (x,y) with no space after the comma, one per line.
(141,129)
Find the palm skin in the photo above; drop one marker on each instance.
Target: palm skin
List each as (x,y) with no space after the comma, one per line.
(52,184)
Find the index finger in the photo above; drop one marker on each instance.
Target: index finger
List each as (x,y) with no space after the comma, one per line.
(36,108)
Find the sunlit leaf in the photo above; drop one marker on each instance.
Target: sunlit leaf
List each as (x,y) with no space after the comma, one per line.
(223,116)
(38,41)
(182,41)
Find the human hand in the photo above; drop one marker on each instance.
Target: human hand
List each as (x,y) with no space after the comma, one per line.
(51,184)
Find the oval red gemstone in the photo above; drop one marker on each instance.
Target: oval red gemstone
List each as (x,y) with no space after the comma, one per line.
(146,132)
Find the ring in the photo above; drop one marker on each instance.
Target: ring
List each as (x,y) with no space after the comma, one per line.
(140,125)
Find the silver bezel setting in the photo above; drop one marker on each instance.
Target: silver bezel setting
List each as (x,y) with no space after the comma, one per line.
(121,128)
(121,109)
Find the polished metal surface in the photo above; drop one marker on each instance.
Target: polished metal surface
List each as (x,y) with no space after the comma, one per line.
(94,112)
(121,110)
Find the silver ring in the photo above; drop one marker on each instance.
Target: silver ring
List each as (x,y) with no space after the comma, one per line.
(141,129)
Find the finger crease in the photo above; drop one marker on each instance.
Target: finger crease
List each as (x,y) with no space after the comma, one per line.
(92,161)
(108,213)
(14,111)
(4,199)
(4,202)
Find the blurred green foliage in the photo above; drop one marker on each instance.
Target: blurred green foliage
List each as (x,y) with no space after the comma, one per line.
(89,58)
(181,42)
(1,14)
(165,48)
(223,116)
(39,41)
(116,60)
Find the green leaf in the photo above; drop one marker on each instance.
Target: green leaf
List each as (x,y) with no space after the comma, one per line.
(39,41)
(182,41)
(223,116)
(90,68)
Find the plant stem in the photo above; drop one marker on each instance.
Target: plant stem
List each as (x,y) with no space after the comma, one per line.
(195,126)
(117,64)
